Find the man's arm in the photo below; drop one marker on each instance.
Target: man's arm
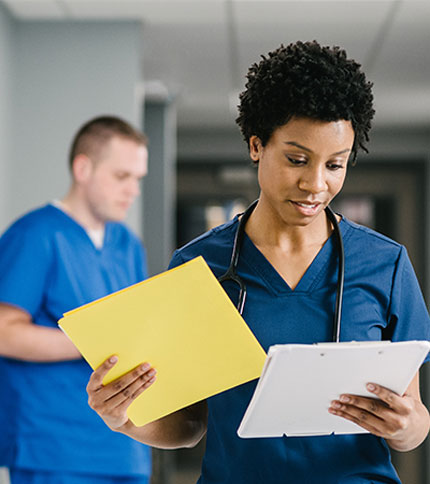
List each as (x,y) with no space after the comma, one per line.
(21,339)
(184,428)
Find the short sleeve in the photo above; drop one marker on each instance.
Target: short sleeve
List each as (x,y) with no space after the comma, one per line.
(176,260)
(408,314)
(24,267)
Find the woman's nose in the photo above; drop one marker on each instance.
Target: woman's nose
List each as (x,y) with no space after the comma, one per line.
(313,179)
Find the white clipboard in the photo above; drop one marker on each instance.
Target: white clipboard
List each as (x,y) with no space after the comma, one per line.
(299,382)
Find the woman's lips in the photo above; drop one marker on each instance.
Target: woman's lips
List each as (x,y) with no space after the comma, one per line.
(306,208)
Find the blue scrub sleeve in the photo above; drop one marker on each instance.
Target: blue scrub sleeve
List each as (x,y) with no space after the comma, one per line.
(24,268)
(176,260)
(408,314)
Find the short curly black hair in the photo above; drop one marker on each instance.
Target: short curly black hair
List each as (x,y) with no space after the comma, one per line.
(306,79)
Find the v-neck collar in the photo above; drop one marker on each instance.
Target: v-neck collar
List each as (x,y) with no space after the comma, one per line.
(258,263)
(81,228)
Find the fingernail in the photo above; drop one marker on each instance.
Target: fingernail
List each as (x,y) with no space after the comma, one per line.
(145,366)
(371,387)
(344,398)
(113,359)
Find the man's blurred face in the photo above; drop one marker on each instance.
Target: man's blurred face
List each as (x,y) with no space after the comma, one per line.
(113,181)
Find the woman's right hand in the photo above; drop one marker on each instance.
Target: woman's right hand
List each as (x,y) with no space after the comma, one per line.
(112,400)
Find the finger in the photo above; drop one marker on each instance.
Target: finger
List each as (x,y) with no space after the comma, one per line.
(118,385)
(106,400)
(135,388)
(371,405)
(96,379)
(116,417)
(122,401)
(391,398)
(372,414)
(360,417)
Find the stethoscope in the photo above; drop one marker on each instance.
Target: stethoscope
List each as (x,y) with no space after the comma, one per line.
(232,275)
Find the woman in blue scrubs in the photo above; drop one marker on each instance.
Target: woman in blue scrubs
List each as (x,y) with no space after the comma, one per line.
(305,113)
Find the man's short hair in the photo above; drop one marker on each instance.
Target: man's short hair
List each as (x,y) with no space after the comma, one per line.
(94,135)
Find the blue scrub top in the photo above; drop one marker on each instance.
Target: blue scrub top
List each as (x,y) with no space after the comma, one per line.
(48,266)
(382,301)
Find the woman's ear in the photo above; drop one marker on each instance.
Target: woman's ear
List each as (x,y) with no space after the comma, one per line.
(255,148)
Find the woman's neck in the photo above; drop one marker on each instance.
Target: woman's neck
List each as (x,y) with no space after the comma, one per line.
(290,249)
(267,229)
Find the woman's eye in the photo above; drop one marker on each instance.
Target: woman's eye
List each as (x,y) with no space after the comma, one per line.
(295,161)
(334,166)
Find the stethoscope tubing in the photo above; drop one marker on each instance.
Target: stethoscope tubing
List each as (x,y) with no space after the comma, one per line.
(232,275)
(340,276)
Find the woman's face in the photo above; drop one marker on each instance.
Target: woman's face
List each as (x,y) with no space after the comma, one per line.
(302,167)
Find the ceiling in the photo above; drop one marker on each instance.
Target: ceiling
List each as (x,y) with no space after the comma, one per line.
(199,50)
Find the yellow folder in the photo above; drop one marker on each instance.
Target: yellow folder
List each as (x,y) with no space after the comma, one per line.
(182,323)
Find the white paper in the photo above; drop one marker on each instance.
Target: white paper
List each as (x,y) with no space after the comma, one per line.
(299,382)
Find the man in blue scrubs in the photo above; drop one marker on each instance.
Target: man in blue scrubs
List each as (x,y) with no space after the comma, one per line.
(53,259)
(305,112)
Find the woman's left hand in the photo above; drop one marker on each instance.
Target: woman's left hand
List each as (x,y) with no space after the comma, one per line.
(402,420)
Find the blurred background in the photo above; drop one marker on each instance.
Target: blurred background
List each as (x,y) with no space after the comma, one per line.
(175,68)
